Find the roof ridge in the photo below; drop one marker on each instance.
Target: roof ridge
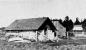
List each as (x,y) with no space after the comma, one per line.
(33,18)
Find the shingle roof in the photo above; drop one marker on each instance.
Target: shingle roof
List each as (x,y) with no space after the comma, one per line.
(26,24)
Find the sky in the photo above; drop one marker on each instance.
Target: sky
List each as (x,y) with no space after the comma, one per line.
(10,10)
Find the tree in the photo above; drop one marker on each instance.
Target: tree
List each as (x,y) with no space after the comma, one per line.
(61,22)
(84,23)
(68,23)
(77,22)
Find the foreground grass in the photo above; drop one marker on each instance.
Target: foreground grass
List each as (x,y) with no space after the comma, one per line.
(66,44)
(60,45)
(39,46)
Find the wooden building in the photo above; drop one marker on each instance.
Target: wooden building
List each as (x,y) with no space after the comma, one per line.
(61,30)
(29,27)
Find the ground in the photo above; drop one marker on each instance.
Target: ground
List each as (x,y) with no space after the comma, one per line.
(42,46)
(64,44)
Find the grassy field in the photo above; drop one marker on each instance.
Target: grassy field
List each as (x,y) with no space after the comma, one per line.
(39,46)
(61,45)
(66,44)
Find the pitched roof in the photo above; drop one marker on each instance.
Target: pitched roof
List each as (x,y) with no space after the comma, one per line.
(57,24)
(77,27)
(27,24)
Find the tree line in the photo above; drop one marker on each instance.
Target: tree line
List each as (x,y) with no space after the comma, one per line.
(69,24)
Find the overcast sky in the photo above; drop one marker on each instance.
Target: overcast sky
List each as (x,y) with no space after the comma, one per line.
(11,10)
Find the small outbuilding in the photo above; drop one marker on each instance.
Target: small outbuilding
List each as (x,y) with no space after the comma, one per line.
(61,30)
(78,31)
